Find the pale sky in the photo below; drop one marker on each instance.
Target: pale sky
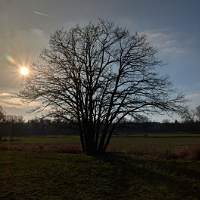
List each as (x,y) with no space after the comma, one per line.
(171,26)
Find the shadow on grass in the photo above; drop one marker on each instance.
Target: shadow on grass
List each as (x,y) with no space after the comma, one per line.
(154,179)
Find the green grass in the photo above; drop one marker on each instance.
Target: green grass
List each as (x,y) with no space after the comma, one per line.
(117,144)
(31,175)
(47,140)
(122,144)
(163,135)
(145,168)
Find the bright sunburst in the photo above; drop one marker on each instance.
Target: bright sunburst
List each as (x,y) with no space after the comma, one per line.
(24,70)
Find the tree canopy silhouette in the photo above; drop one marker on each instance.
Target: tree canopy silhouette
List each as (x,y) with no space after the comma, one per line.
(97,75)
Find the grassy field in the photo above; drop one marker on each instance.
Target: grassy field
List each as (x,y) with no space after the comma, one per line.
(32,175)
(167,142)
(143,168)
(122,142)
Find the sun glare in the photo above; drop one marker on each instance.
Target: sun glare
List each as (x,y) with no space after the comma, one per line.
(24,70)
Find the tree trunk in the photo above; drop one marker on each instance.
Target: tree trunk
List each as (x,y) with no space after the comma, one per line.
(82,139)
(91,147)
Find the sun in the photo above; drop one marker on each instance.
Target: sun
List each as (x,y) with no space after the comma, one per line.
(24,70)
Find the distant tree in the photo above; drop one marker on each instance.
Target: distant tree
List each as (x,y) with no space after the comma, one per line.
(187,115)
(176,121)
(197,112)
(15,124)
(10,123)
(141,119)
(165,121)
(2,121)
(191,115)
(96,76)
(35,126)
(2,115)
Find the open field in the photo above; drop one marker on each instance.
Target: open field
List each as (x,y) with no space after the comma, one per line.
(144,168)
(170,142)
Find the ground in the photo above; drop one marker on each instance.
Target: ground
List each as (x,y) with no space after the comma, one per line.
(39,174)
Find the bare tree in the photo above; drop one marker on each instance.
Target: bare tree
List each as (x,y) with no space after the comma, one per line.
(141,119)
(2,121)
(197,112)
(188,115)
(165,121)
(191,115)
(2,114)
(97,75)
(10,123)
(15,124)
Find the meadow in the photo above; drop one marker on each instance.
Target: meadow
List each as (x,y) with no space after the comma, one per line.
(153,167)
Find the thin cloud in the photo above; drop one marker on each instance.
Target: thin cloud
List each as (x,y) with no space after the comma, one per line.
(42,14)
(10,104)
(192,95)
(4,94)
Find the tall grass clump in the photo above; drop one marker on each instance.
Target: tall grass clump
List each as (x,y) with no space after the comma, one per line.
(189,152)
(61,148)
(152,151)
(186,153)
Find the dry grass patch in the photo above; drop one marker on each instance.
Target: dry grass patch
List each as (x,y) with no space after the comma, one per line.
(62,148)
(152,151)
(186,153)
(189,152)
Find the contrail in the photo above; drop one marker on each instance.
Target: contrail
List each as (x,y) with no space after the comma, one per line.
(42,14)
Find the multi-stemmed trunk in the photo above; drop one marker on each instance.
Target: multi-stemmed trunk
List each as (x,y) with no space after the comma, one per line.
(93,143)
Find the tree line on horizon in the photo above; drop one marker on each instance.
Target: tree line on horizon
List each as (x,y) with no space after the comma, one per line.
(15,126)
